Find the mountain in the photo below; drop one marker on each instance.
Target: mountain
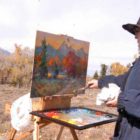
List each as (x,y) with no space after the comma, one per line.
(4,52)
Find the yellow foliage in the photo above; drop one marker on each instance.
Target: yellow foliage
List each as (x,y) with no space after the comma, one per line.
(18,67)
(117,69)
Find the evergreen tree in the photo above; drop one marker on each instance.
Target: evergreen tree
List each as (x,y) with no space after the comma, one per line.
(96,76)
(103,70)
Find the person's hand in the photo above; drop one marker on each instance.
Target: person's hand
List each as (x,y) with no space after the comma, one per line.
(113,102)
(93,84)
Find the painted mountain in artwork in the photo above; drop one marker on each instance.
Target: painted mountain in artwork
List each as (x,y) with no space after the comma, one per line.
(62,51)
(57,40)
(81,53)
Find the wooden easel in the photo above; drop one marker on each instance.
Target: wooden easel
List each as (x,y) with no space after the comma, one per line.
(53,103)
(44,103)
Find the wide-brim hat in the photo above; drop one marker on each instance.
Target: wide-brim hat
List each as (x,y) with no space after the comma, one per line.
(132,28)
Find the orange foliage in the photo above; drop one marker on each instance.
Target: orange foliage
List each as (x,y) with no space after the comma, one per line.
(51,62)
(54,60)
(83,64)
(71,63)
(37,58)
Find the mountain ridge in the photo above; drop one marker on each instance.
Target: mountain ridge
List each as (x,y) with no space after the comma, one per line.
(4,52)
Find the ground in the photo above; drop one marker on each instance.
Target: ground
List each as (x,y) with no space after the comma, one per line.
(103,132)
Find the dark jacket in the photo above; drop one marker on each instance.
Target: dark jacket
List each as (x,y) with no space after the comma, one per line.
(128,124)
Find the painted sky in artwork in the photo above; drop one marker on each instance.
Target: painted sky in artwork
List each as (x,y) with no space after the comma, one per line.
(57,40)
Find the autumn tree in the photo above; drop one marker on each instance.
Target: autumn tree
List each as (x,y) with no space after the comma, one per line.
(117,69)
(22,63)
(5,69)
(16,68)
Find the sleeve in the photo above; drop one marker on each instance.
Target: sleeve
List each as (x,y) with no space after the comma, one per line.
(129,102)
(119,80)
(129,99)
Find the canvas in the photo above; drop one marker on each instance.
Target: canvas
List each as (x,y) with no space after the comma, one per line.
(60,65)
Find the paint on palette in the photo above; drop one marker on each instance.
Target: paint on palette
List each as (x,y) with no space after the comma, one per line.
(60,65)
(78,116)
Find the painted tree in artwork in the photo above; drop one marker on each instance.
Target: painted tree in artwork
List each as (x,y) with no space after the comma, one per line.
(83,65)
(71,64)
(54,64)
(55,71)
(43,65)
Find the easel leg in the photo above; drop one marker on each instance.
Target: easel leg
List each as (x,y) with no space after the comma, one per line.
(73,133)
(60,133)
(36,131)
(12,134)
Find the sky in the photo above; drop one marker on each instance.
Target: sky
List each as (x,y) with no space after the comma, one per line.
(96,21)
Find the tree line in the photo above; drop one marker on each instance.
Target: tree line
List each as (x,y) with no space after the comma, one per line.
(16,68)
(114,69)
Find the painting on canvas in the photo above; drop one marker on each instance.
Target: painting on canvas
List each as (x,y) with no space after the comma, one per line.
(60,64)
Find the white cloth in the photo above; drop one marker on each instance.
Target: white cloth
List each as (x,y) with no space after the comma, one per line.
(107,94)
(20,109)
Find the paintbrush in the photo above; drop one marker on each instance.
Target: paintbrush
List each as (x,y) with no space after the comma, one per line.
(80,90)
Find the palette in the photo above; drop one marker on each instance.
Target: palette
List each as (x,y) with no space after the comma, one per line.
(77,117)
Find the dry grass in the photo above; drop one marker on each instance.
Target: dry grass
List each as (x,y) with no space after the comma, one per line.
(103,132)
